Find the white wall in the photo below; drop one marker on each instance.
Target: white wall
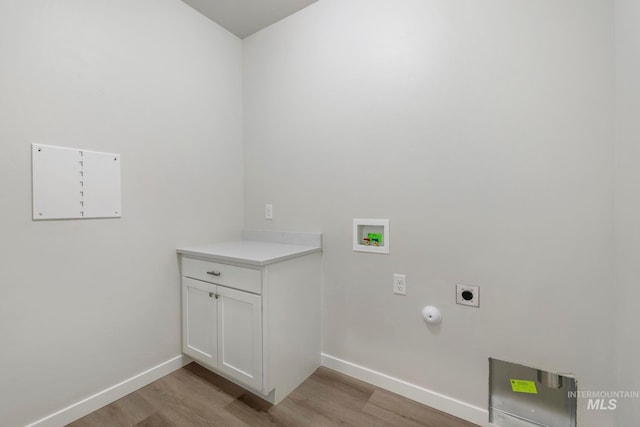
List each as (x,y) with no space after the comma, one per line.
(628,202)
(483,131)
(86,304)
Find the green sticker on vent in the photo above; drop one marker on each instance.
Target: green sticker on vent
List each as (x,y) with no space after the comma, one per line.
(523,386)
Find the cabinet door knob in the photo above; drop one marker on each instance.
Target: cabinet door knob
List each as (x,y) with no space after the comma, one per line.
(211,294)
(217,296)
(214,273)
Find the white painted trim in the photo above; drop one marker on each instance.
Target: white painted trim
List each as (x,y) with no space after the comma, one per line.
(425,396)
(111,394)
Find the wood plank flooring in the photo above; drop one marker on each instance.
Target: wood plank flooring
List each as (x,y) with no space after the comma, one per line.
(194,396)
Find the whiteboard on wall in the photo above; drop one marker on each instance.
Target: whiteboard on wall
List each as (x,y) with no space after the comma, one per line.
(71,183)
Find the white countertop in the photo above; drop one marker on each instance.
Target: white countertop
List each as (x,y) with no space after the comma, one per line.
(258,253)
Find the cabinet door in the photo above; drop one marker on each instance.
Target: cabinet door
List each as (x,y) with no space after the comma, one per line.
(240,336)
(199,318)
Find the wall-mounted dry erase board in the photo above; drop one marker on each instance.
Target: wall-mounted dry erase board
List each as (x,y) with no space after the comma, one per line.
(70,183)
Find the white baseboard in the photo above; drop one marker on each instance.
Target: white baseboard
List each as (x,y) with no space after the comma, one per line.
(111,394)
(427,397)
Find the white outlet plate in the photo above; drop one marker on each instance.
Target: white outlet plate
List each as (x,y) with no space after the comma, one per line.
(400,284)
(466,289)
(268,211)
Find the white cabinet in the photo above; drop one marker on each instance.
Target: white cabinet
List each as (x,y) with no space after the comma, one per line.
(199,331)
(222,328)
(240,336)
(257,325)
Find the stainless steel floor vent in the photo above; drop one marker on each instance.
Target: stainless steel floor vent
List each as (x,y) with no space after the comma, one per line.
(520,396)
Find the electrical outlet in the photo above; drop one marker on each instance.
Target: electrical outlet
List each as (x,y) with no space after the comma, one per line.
(468,295)
(268,211)
(400,284)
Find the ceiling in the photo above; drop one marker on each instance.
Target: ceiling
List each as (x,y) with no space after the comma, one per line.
(245,17)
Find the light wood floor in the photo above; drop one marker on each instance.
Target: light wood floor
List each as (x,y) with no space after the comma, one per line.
(194,396)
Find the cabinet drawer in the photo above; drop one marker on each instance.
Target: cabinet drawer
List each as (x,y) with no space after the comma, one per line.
(245,279)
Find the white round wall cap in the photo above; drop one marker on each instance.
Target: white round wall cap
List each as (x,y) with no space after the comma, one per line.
(432,315)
